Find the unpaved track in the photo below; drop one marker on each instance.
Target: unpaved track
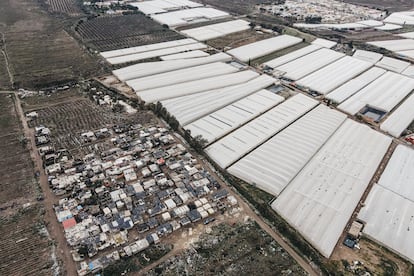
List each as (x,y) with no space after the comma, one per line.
(247,210)
(53,226)
(6,59)
(276,236)
(56,232)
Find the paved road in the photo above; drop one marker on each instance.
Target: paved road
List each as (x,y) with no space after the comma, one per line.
(53,226)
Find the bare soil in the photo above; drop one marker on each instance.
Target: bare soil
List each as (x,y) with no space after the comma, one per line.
(16,169)
(374,257)
(238,39)
(25,246)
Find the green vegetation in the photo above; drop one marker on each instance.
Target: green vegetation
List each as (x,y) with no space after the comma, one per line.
(121,267)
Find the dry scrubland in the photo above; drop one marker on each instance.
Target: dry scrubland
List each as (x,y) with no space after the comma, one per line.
(40,51)
(24,244)
(240,249)
(114,32)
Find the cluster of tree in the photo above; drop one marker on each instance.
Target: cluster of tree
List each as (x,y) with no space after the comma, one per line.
(312,19)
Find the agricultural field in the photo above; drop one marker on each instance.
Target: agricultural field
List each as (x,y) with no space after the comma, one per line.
(70,113)
(239,249)
(4,77)
(24,244)
(277,54)
(238,39)
(122,31)
(41,53)
(16,168)
(69,7)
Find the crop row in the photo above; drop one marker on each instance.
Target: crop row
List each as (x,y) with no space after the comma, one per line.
(64,6)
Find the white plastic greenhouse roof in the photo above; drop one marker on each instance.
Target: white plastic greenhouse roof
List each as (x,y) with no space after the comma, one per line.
(333,26)
(309,63)
(409,72)
(400,18)
(324,43)
(389,208)
(147,48)
(351,87)
(389,27)
(368,56)
(371,23)
(389,221)
(181,75)
(400,119)
(334,75)
(232,147)
(395,45)
(188,16)
(398,176)
(263,47)
(190,108)
(393,64)
(322,197)
(161,6)
(185,55)
(292,56)
(156,53)
(406,54)
(407,35)
(274,164)
(217,124)
(151,68)
(196,86)
(217,30)
(384,93)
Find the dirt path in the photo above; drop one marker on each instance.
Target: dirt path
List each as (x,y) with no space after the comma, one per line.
(53,226)
(247,210)
(276,236)
(6,59)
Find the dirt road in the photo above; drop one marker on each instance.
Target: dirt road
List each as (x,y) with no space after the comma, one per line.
(53,226)
(276,236)
(254,216)
(6,59)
